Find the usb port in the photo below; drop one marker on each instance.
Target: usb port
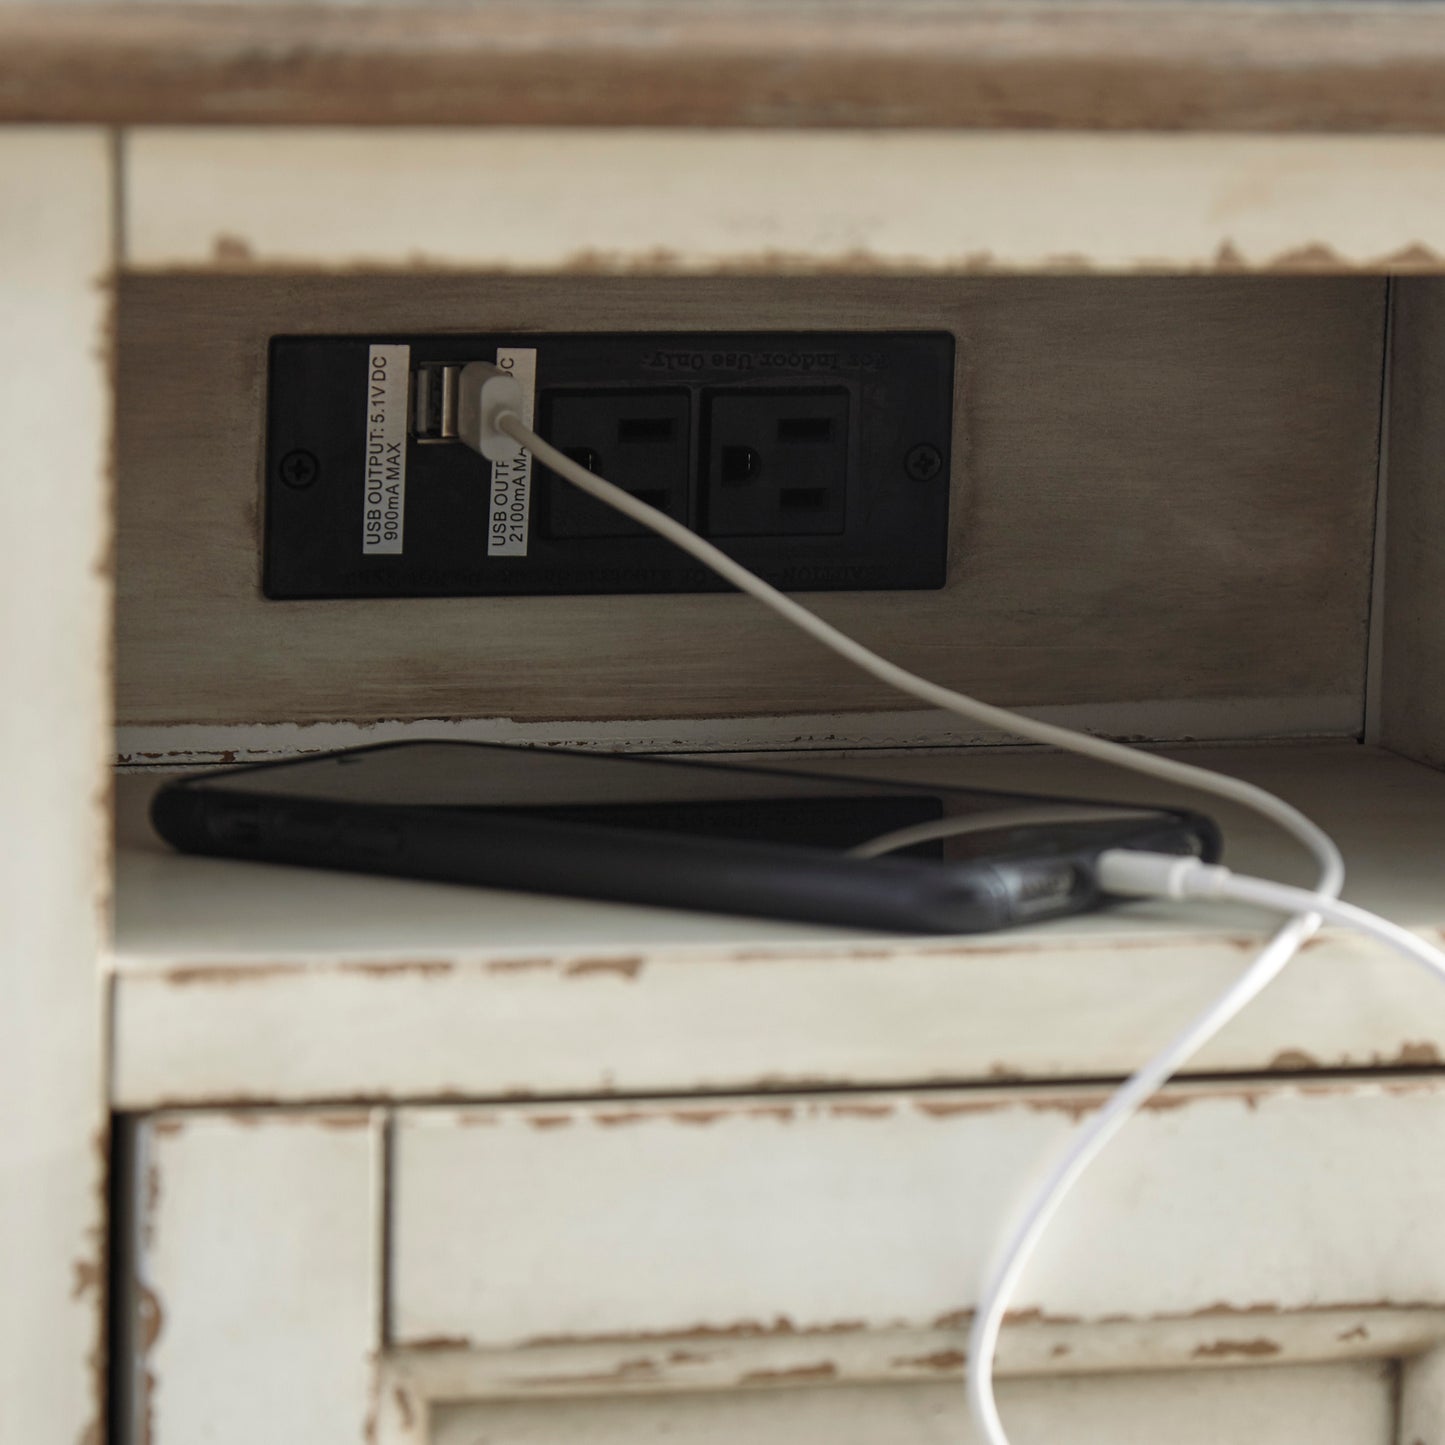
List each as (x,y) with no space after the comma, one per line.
(434,403)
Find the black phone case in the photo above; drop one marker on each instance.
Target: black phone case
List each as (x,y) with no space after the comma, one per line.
(518,849)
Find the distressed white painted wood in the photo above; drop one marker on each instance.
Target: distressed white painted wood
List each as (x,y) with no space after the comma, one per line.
(781,201)
(237,980)
(255,1270)
(1032,1347)
(820,1215)
(255,1278)
(260,1264)
(1319,1405)
(55,221)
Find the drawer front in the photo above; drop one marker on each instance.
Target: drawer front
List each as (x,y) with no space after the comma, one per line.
(1341,1404)
(832,1214)
(246,1270)
(776,1267)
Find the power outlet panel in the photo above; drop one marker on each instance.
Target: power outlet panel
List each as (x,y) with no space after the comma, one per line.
(818,459)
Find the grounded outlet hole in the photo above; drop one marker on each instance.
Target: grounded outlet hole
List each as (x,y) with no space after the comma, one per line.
(584,457)
(740,464)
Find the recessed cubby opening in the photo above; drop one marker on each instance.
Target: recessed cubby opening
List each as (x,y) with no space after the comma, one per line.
(1162,520)
(1168,522)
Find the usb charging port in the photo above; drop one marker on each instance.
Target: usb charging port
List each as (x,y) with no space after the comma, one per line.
(434,403)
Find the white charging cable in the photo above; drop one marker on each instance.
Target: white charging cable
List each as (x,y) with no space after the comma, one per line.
(489,406)
(1041,816)
(1128,874)
(490,421)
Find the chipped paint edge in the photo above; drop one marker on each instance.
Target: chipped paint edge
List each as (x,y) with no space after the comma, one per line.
(795,202)
(178,745)
(779,1354)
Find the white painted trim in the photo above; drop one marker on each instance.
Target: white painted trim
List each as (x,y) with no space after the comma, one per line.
(520,1227)
(698,201)
(1341,1402)
(55,594)
(1030,1348)
(255,1249)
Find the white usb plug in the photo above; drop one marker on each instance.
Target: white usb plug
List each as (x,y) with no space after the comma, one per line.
(1125,873)
(485,394)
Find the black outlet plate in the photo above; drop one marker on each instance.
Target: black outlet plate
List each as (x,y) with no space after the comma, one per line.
(883,523)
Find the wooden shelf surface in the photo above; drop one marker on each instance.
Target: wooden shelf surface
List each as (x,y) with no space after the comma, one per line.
(244,981)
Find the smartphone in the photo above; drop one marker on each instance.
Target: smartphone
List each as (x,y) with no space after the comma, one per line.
(674,833)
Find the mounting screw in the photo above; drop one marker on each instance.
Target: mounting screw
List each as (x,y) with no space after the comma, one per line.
(923,462)
(299,469)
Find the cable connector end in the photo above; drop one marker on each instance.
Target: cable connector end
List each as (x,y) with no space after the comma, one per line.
(1127,873)
(485,394)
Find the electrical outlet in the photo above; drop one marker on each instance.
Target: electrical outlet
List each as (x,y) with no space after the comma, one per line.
(820,460)
(640,439)
(777,463)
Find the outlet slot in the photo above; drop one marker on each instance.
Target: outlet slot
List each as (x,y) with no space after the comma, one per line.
(805,429)
(803,499)
(645,429)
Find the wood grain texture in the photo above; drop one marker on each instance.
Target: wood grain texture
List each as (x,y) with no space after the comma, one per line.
(1163,492)
(1413,700)
(1266,66)
(55,261)
(239,981)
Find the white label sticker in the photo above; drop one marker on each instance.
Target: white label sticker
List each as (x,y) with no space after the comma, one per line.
(388,376)
(507,522)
